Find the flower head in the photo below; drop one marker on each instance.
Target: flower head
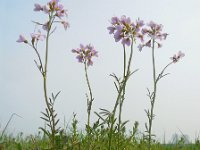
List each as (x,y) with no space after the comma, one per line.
(55,10)
(85,54)
(154,32)
(177,57)
(22,39)
(125,30)
(53,6)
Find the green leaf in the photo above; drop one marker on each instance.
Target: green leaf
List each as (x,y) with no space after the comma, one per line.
(124,123)
(57,122)
(45,131)
(45,119)
(55,115)
(54,97)
(45,114)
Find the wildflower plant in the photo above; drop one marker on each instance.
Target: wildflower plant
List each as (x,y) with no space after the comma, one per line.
(55,13)
(110,133)
(85,55)
(154,34)
(127,32)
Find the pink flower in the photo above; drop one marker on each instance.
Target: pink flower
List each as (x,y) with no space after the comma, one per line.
(53,5)
(45,26)
(140,46)
(60,11)
(54,2)
(154,32)
(159,45)
(145,31)
(118,36)
(65,24)
(177,57)
(85,54)
(148,44)
(124,29)
(164,36)
(125,20)
(38,36)
(140,36)
(45,9)
(114,20)
(38,7)
(126,41)
(111,29)
(22,39)
(80,58)
(139,22)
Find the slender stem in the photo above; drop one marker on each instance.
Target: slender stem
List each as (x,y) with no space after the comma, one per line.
(89,103)
(130,58)
(50,109)
(121,100)
(124,60)
(38,55)
(45,72)
(112,117)
(154,95)
(14,114)
(90,91)
(126,76)
(161,73)
(153,62)
(121,94)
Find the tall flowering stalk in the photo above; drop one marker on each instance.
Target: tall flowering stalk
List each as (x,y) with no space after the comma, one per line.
(55,12)
(155,35)
(126,31)
(85,55)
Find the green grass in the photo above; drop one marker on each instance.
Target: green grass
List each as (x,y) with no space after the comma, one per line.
(72,139)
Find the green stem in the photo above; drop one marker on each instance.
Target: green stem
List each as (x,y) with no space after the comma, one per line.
(52,125)
(121,101)
(121,94)
(38,55)
(90,91)
(124,60)
(89,103)
(130,58)
(126,76)
(154,96)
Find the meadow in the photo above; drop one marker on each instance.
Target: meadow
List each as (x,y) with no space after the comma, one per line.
(72,139)
(109,131)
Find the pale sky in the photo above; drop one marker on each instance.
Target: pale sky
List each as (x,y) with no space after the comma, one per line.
(177,105)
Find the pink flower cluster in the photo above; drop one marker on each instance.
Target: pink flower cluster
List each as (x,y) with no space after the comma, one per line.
(85,54)
(124,30)
(177,57)
(55,9)
(154,32)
